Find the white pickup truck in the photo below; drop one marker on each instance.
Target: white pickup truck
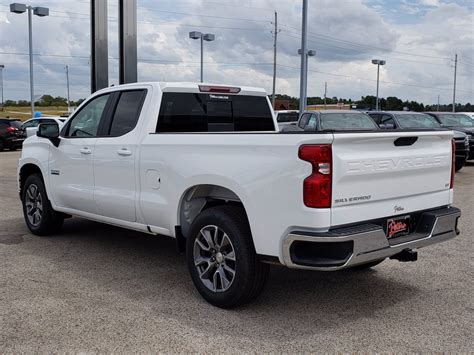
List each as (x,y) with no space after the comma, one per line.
(206,165)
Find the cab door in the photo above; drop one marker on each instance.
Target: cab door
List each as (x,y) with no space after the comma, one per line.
(71,163)
(115,157)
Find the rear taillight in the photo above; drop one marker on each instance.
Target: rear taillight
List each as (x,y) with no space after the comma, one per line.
(11,129)
(317,188)
(453,162)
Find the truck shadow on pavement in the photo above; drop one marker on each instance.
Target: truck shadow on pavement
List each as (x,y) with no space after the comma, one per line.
(109,268)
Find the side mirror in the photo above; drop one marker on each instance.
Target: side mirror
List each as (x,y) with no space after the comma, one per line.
(49,131)
(387,126)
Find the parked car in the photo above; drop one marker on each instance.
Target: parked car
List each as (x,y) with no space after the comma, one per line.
(31,126)
(417,120)
(333,120)
(11,134)
(206,165)
(286,117)
(470,114)
(458,122)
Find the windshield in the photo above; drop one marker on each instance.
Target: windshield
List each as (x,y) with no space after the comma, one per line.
(15,124)
(455,120)
(417,120)
(287,117)
(346,121)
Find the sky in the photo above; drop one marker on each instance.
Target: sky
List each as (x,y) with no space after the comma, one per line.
(417,38)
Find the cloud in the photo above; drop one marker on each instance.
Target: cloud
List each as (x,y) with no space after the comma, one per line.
(344,37)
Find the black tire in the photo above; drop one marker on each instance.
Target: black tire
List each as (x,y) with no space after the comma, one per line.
(367,265)
(2,145)
(50,221)
(458,166)
(250,274)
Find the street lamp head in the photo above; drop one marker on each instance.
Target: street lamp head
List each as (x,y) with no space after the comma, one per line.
(310,52)
(41,11)
(17,8)
(209,37)
(378,61)
(195,35)
(2,66)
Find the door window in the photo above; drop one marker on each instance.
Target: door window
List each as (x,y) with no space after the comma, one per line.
(311,125)
(127,112)
(303,121)
(387,119)
(86,122)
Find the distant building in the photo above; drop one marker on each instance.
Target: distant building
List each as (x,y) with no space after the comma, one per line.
(282,105)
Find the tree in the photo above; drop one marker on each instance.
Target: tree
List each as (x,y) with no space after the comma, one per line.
(394,104)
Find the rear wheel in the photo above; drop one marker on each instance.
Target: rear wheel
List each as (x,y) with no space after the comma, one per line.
(221,258)
(40,217)
(1,146)
(458,165)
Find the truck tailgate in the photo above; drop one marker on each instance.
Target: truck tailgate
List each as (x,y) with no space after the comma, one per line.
(384,174)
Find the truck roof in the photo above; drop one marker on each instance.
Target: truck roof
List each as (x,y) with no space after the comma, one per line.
(193,87)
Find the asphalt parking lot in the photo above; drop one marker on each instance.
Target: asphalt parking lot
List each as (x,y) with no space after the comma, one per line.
(97,288)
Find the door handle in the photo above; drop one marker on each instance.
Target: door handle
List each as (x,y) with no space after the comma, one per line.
(85,150)
(124,152)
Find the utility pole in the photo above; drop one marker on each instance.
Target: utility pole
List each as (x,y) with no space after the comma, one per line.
(67,82)
(455,73)
(275,34)
(304,57)
(1,81)
(437,108)
(325,93)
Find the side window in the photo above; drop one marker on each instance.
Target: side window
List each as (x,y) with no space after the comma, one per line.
(32,123)
(376,117)
(312,122)
(86,122)
(303,121)
(127,112)
(387,119)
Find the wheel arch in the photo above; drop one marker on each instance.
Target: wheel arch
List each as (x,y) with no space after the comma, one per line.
(25,171)
(200,197)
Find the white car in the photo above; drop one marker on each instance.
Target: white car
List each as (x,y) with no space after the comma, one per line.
(286,117)
(205,164)
(31,126)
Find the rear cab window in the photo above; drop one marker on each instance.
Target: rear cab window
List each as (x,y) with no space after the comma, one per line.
(207,112)
(284,117)
(347,121)
(417,120)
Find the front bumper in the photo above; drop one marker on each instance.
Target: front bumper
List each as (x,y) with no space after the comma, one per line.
(342,248)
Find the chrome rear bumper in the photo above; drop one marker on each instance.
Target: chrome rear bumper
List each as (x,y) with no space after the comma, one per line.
(341,248)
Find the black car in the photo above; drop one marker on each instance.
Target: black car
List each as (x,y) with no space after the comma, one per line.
(458,122)
(417,120)
(11,134)
(333,120)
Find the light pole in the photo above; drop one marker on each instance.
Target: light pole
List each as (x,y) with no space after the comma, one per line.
(38,11)
(1,80)
(378,62)
(304,58)
(67,83)
(304,98)
(203,37)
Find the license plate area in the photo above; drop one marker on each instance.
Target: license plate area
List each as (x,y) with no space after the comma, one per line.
(398,227)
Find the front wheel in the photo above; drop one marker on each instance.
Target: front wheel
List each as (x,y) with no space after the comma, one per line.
(221,257)
(40,217)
